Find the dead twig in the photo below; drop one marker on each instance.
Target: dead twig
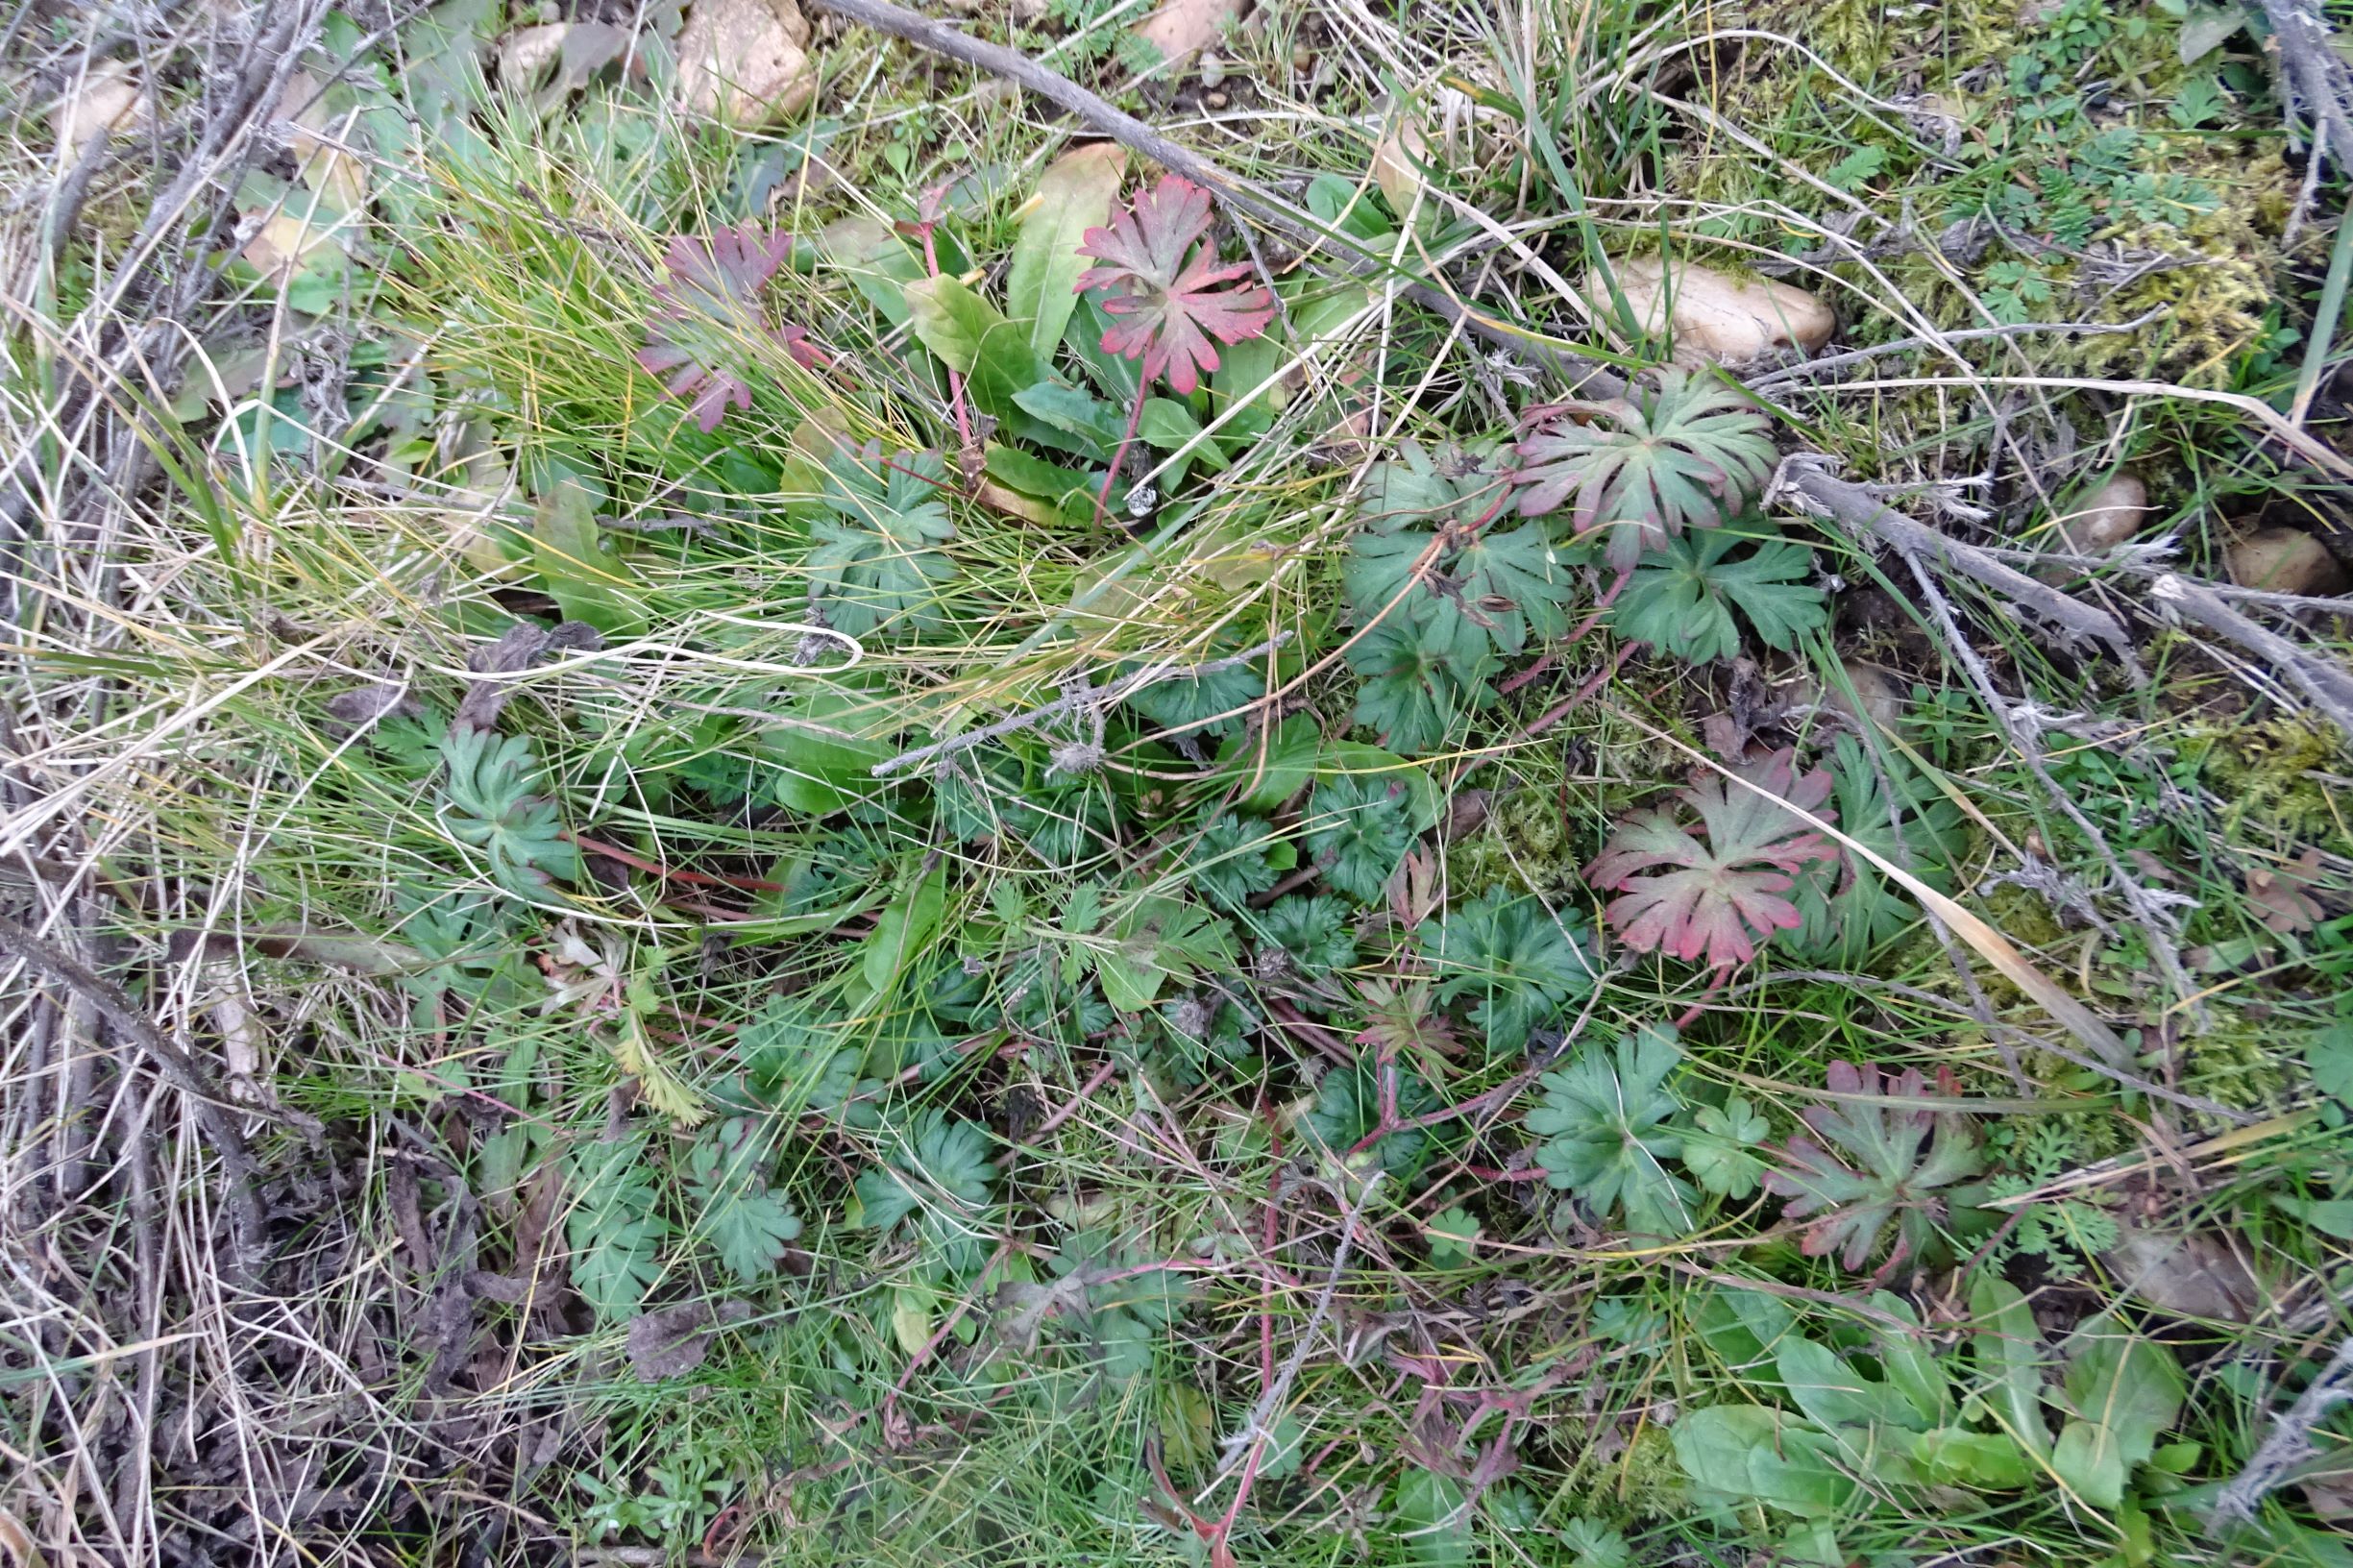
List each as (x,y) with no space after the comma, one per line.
(2291,1441)
(2328,686)
(178,1067)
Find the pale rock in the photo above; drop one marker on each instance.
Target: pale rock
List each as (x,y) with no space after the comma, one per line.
(745,60)
(1710,317)
(2285,561)
(1181,29)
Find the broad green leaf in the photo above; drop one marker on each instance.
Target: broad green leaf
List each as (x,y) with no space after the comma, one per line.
(1910,1366)
(1154,936)
(1431,1523)
(441,49)
(586,583)
(900,932)
(1064,417)
(1075,194)
(822,763)
(1605,1118)
(1764,1454)
(1745,1329)
(1269,767)
(1828,1388)
(2009,1349)
(2129,1385)
(876,261)
(1167,424)
(1717,1151)
(2090,1460)
(1988,1460)
(1017,470)
(1681,599)
(2329,1054)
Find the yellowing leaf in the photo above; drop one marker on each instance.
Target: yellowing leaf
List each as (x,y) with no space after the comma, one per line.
(1073,195)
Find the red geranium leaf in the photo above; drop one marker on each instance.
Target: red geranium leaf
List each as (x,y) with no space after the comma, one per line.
(1714,889)
(710,294)
(1163,294)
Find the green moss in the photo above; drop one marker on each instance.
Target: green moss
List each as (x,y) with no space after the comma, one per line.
(2262,775)
(2238,1064)
(1527,844)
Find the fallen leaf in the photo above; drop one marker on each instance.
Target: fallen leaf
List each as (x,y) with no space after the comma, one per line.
(671,1341)
(107,100)
(577,50)
(2187,1273)
(2279,895)
(315,140)
(1711,318)
(1182,28)
(1398,161)
(745,60)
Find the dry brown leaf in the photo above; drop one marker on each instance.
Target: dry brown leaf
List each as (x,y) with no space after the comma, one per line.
(1711,318)
(2187,1273)
(321,163)
(1182,29)
(671,1341)
(1398,161)
(2279,895)
(745,60)
(285,242)
(107,99)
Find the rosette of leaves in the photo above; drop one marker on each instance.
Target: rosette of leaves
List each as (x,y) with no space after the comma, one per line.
(939,1180)
(1715,888)
(1347,1110)
(749,1223)
(1875,1162)
(1847,907)
(881,523)
(710,296)
(466,948)
(1229,863)
(1358,831)
(1121,1308)
(1604,1121)
(1442,592)
(489,801)
(1649,465)
(1169,300)
(1315,934)
(1683,593)
(1519,960)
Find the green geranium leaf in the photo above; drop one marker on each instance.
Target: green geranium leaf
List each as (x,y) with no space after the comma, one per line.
(1604,1121)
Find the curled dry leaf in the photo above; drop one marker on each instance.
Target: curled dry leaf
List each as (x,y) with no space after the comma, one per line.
(745,60)
(107,100)
(1398,161)
(2281,893)
(1181,29)
(2187,1273)
(1710,318)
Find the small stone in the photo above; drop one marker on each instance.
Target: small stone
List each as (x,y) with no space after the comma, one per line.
(1302,56)
(2285,561)
(1212,70)
(1215,100)
(745,60)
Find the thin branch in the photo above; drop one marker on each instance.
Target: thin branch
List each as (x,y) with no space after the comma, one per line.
(2329,687)
(1806,483)
(178,1067)
(2291,1441)
(1812,368)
